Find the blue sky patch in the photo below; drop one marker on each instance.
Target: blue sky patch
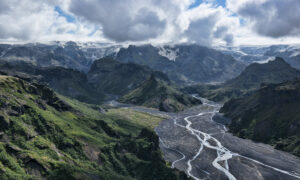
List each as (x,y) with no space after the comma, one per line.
(221,3)
(195,4)
(216,2)
(69,17)
(92,32)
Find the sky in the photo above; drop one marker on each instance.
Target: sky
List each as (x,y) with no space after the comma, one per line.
(205,22)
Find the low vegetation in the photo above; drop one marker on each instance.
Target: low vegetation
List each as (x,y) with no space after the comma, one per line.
(43,135)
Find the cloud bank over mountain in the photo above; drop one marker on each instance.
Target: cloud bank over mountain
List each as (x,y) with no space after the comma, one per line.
(274,18)
(206,22)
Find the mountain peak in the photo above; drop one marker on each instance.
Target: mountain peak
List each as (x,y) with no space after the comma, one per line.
(277,64)
(275,71)
(158,94)
(152,77)
(278,60)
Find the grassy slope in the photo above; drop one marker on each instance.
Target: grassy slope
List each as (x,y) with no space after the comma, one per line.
(42,136)
(270,115)
(157,94)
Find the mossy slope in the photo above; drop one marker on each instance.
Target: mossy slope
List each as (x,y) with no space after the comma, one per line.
(43,136)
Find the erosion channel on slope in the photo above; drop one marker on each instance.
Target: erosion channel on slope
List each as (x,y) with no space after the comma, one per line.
(195,143)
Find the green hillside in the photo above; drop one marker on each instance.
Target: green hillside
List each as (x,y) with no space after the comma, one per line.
(158,94)
(45,136)
(270,115)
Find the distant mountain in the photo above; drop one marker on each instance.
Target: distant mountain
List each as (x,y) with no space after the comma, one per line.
(69,54)
(43,136)
(106,77)
(262,54)
(114,77)
(271,115)
(184,63)
(251,78)
(272,72)
(290,53)
(68,82)
(158,94)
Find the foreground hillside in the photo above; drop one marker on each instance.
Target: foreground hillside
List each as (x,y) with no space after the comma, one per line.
(158,94)
(43,136)
(270,115)
(250,79)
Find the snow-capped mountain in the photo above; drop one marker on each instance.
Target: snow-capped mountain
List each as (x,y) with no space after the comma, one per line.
(66,54)
(184,63)
(262,54)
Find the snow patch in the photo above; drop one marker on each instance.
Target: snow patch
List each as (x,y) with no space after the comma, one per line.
(265,60)
(295,54)
(168,53)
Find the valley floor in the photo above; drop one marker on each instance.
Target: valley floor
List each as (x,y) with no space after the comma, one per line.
(203,148)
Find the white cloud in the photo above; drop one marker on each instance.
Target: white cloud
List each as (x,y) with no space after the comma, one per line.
(151,21)
(273,18)
(31,20)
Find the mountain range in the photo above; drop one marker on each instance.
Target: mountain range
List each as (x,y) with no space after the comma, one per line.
(263,54)
(68,54)
(184,63)
(55,122)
